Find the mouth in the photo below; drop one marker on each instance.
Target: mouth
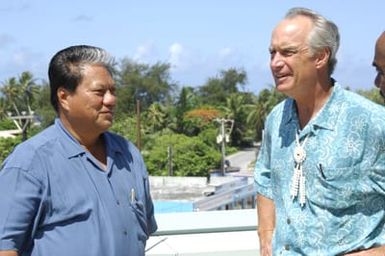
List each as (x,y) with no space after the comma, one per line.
(279,78)
(107,113)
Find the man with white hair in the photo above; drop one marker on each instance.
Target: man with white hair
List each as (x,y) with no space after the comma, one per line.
(320,173)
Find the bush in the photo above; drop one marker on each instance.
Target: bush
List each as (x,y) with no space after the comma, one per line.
(7,145)
(7,124)
(190,156)
(126,127)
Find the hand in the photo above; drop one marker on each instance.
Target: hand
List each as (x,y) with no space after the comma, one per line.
(378,251)
(265,245)
(266,250)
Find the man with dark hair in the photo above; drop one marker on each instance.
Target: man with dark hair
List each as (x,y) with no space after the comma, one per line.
(75,188)
(379,63)
(320,173)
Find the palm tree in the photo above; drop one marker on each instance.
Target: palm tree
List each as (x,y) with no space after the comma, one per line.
(19,94)
(266,101)
(156,117)
(237,107)
(28,89)
(187,101)
(3,110)
(11,92)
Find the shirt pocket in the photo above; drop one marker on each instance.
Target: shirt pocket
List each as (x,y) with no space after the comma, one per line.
(140,214)
(338,174)
(336,188)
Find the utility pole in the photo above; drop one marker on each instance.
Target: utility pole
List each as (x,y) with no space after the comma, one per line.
(22,122)
(223,149)
(169,156)
(222,138)
(138,135)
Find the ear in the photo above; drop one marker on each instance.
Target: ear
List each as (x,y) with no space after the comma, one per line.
(322,58)
(63,96)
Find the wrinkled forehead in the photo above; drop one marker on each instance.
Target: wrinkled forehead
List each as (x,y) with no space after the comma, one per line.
(291,31)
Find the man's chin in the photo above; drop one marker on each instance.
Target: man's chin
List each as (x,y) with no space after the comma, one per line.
(281,87)
(105,125)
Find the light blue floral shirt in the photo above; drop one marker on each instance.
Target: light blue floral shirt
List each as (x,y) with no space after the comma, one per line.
(344,170)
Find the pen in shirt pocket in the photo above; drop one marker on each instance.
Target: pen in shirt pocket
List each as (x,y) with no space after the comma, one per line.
(133,196)
(321,170)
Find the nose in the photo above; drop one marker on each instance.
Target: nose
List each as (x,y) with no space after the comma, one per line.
(276,62)
(109,98)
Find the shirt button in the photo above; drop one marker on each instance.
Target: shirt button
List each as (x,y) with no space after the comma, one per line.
(288,221)
(117,202)
(125,232)
(287,247)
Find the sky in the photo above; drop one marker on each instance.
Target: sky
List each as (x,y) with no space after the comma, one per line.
(198,38)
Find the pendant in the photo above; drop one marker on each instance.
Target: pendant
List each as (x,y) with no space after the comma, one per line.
(299,154)
(297,188)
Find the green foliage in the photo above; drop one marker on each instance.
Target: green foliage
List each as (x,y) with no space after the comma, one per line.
(182,120)
(126,127)
(373,95)
(7,145)
(209,136)
(197,120)
(216,90)
(237,108)
(190,156)
(19,93)
(186,101)
(143,82)
(42,105)
(266,100)
(7,124)
(155,117)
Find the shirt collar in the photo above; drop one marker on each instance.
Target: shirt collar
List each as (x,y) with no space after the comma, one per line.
(327,116)
(72,147)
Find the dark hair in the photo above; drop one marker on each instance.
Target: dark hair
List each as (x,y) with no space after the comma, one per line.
(65,67)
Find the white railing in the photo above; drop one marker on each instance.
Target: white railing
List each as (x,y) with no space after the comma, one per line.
(208,233)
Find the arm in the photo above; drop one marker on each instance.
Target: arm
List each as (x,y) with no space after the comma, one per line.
(8,253)
(19,201)
(266,224)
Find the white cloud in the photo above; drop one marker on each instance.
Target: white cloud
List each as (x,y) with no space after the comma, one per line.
(228,57)
(15,6)
(225,52)
(176,55)
(145,53)
(21,60)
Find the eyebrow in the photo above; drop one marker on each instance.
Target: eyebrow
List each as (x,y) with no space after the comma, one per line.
(285,48)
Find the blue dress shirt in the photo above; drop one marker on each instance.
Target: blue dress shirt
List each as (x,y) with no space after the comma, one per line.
(344,170)
(56,200)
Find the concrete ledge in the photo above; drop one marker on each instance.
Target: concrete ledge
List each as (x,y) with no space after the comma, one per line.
(210,233)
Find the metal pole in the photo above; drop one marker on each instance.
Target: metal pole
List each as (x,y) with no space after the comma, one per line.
(138,135)
(170,170)
(223,146)
(24,134)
